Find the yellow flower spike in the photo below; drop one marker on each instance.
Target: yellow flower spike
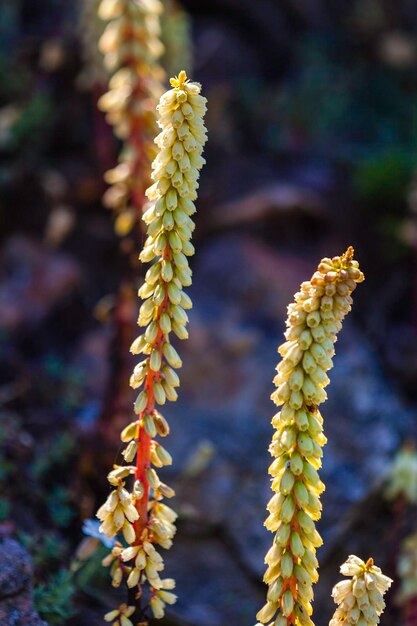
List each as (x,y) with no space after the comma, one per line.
(314,319)
(360,599)
(141,516)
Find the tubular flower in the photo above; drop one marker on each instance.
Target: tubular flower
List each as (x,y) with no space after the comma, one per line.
(314,319)
(402,478)
(361,598)
(142,520)
(131,48)
(120,616)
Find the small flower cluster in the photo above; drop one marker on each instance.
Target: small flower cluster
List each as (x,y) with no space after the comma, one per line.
(361,598)
(131,48)
(118,513)
(402,478)
(144,521)
(314,320)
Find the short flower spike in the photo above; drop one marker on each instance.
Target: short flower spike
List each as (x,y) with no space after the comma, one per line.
(314,319)
(361,597)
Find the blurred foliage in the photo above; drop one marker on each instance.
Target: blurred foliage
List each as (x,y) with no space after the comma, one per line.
(91,577)
(47,549)
(48,503)
(31,124)
(176,37)
(57,455)
(343,107)
(383,177)
(54,600)
(61,506)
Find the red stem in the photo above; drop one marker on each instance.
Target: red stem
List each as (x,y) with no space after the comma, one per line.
(143,456)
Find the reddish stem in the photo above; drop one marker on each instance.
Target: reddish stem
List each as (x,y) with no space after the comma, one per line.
(142,464)
(143,457)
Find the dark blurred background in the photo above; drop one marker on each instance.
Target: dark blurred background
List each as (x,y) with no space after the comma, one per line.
(312,147)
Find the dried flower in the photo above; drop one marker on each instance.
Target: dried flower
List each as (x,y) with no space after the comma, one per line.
(360,599)
(146,522)
(314,319)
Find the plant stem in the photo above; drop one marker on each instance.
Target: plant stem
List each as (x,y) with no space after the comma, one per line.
(143,457)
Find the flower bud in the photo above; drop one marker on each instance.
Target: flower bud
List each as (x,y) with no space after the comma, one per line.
(287,603)
(141,402)
(130,432)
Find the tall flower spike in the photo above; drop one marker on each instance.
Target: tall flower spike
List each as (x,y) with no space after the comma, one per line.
(314,320)
(146,521)
(360,598)
(131,47)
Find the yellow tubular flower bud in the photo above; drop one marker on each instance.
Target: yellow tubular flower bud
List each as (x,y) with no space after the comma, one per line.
(297,444)
(360,599)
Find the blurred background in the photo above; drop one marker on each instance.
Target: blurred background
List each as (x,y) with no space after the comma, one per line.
(312,125)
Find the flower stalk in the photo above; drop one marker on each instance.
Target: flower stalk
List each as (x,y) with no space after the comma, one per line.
(314,319)
(140,516)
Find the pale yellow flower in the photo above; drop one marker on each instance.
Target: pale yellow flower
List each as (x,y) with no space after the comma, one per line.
(120,616)
(361,598)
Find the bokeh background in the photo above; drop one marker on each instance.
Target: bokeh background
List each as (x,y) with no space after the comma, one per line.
(312,147)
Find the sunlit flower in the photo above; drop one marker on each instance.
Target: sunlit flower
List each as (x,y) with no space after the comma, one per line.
(120,616)
(361,598)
